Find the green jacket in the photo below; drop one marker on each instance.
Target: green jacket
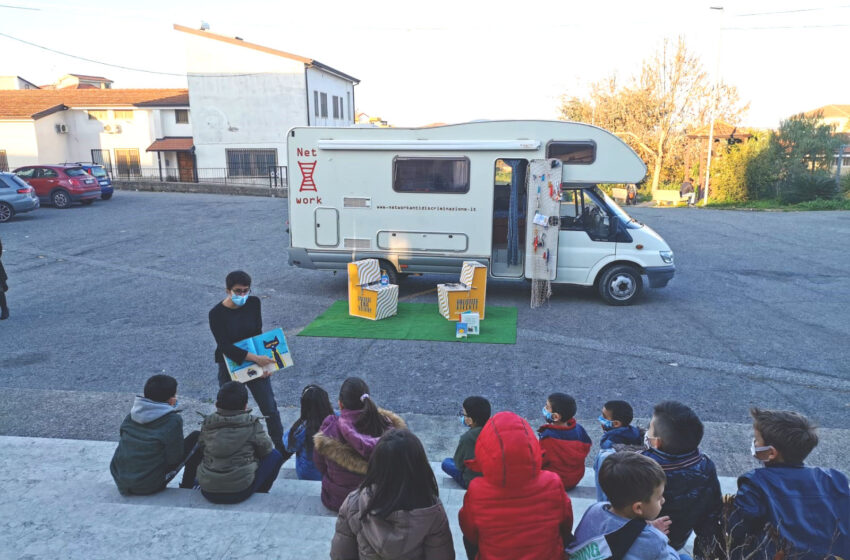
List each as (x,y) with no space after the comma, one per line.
(466,450)
(150,446)
(234,442)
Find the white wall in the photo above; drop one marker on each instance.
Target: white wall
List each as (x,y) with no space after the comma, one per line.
(169,125)
(85,134)
(324,82)
(241,98)
(52,146)
(19,140)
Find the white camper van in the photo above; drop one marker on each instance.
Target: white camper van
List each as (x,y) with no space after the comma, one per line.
(423,200)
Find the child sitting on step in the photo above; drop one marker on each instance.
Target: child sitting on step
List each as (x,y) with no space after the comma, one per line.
(809,507)
(315,407)
(617,435)
(474,414)
(152,449)
(692,498)
(396,511)
(344,443)
(239,456)
(565,443)
(622,528)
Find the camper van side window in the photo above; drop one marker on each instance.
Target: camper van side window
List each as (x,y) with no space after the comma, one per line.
(431,175)
(572,153)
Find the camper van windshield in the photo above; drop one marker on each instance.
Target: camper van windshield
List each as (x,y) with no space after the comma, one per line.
(615,208)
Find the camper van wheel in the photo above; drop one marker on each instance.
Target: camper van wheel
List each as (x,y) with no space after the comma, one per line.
(620,285)
(392,274)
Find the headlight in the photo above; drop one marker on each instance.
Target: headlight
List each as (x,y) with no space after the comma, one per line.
(666,256)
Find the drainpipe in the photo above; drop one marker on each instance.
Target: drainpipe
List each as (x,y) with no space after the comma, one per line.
(159,162)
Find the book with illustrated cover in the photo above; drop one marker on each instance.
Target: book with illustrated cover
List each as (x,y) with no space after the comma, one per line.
(271,344)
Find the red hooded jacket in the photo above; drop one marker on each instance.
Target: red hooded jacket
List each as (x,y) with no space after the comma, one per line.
(564,450)
(515,511)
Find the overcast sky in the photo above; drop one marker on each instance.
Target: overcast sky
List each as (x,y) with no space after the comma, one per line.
(452,61)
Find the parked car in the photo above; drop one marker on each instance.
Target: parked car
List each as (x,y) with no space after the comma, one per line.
(60,185)
(98,172)
(15,197)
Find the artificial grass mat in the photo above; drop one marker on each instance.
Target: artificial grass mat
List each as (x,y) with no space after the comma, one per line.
(414,321)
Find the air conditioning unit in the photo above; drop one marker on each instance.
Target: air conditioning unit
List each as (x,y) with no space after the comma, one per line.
(112,128)
(61,129)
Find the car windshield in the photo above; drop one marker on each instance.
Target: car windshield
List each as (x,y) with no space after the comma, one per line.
(622,214)
(98,172)
(75,172)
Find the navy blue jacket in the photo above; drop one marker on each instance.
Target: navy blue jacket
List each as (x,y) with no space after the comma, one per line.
(810,508)
(692,496)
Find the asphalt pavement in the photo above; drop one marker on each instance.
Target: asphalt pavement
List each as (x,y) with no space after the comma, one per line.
(104,296)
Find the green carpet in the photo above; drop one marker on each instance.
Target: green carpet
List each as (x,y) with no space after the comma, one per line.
(415,321)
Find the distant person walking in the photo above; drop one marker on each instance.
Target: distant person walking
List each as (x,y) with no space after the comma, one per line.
(236,318)
(4,287)
(687,189)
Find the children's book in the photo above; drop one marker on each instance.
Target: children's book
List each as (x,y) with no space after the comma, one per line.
(271,344)
(460,330)
(472,320)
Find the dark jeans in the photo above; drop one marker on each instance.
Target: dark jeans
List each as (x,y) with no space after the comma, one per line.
(471,549)
(3,306)
(261,390)
(263,479)
(450,469)
(192,456)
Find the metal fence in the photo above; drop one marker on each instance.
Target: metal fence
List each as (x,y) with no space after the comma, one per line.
(274,178)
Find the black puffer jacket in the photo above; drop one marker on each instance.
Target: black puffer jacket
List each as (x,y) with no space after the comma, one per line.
(692,496)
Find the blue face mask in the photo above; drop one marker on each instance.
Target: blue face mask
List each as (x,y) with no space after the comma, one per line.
(547,415)
(463,421)
(606,424)
(175,404)
(239,301)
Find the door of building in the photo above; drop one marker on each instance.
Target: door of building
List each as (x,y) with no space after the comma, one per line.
(186,167)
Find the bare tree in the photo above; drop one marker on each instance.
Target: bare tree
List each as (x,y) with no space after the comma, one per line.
(652,113)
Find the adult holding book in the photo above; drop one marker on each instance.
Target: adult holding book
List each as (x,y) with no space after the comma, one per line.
(236,318)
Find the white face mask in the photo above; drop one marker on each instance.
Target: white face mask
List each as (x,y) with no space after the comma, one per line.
(754,450)
(646,441)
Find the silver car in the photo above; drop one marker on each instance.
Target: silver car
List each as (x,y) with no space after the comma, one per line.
(15,196)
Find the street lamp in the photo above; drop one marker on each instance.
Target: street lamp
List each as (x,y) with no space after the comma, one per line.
(719,10)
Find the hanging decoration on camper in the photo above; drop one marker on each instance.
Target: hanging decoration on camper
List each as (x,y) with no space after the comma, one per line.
(544,200)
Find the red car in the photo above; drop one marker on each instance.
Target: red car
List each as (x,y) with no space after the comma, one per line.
(60,185)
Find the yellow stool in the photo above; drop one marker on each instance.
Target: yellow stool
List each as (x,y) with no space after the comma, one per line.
(367,298)
(468,295)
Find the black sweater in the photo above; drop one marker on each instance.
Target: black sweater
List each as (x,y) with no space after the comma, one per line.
(232,325)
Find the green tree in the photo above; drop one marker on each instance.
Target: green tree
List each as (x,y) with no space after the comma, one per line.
(747,171)
(804,148)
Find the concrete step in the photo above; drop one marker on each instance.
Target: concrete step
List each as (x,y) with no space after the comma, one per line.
(58,500)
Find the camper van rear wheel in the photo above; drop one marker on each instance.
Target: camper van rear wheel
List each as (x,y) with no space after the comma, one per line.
(392,274)
(620,285)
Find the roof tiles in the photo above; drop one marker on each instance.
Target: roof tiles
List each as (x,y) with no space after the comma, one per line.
(32,104)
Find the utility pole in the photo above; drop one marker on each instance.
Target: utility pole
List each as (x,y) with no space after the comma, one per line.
(719,9)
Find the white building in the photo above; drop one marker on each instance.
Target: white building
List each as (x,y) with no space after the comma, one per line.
(245,97)
(15,82)
(131,130)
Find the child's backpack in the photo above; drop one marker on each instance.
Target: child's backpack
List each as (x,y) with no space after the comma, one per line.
(613,546)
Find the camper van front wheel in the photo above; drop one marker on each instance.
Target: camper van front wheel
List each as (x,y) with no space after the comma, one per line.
(620,285)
